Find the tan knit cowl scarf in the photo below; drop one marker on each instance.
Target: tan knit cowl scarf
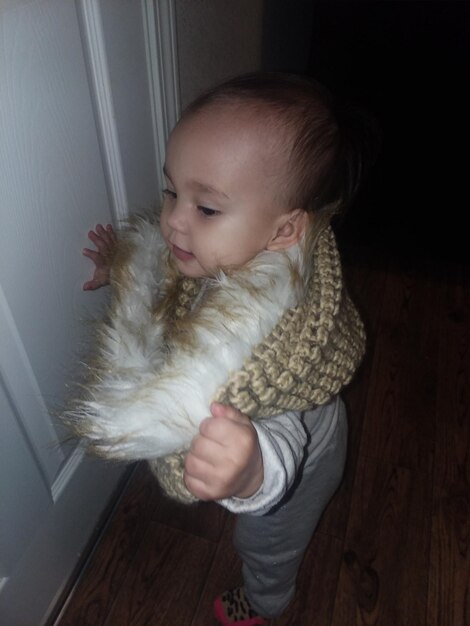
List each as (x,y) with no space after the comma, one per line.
(311,354)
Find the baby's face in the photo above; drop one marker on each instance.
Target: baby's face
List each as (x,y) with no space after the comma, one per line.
(220,207)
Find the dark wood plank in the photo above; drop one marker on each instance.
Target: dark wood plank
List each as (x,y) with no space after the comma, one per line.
(316,584)
(203,519)
(164,581)
(449,581)
(383,578)
(91,600)
(366,286)
(225,573)
(399,420)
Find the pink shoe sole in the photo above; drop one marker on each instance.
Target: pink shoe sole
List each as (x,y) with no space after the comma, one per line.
(223,619)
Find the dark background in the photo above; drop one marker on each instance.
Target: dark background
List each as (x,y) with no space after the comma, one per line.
(407,64)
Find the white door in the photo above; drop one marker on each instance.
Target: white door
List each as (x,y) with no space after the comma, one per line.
(64,142)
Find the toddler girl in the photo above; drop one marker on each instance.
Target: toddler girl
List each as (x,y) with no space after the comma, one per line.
(230,332)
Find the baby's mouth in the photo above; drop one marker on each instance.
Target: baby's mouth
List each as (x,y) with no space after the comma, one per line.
(180,254)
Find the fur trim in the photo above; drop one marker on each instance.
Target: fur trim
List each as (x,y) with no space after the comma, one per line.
(153,388)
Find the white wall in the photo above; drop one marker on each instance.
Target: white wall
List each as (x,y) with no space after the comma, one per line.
(217,39)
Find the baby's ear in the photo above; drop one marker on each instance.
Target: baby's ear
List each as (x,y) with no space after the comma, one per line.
(289,229)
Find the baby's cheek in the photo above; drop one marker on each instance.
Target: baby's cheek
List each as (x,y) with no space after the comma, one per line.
(163,227)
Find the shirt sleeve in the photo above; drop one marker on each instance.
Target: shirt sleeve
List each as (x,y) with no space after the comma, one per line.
(283,441)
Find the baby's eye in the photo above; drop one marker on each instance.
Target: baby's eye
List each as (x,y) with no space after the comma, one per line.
(207,212)
(169,193)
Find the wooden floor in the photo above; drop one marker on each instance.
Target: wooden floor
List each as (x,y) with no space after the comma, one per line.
(393,547)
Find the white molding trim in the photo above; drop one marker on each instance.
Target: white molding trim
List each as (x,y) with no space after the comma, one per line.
(21,387)
(162,62)
(93,39)
(68,471)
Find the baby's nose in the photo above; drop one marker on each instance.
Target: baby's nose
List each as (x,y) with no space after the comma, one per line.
(177,218)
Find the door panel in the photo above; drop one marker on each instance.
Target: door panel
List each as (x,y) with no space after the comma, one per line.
(54,189)
(26,499)
(21,387)
(78,146)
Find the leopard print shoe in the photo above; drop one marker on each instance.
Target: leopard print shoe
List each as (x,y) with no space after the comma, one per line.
(232,607)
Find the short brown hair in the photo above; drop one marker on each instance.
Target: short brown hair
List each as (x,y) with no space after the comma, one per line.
(325,158)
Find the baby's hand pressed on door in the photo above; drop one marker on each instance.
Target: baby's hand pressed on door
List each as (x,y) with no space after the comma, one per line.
(105,241)
(224,459)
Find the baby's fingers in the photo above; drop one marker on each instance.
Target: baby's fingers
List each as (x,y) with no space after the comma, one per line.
(100,239)
(91,285)
(94,256)
(107,234)
(111,234)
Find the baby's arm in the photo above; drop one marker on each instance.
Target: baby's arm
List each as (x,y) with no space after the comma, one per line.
(224,459)
(105,241)
(282,441)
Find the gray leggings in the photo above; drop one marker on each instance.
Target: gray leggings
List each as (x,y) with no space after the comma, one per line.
(272,546)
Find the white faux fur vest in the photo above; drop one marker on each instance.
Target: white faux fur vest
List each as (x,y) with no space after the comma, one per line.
(278,334)
(149,391)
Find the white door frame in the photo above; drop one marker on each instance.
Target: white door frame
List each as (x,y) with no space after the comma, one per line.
(159,18)
(162,63)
